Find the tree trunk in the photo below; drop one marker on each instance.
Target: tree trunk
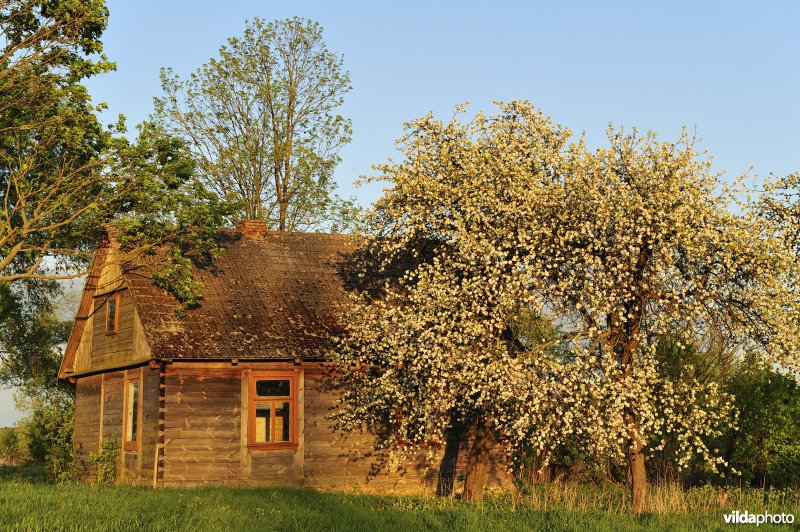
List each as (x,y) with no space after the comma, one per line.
(447,469)
(478,461)
(637,476)
(283,207)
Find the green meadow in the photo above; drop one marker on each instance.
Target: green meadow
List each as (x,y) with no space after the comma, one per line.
(29,502)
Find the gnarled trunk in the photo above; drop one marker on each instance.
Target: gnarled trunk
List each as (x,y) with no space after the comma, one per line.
(478,461)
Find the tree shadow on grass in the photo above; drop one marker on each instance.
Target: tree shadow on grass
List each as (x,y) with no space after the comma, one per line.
(31,473)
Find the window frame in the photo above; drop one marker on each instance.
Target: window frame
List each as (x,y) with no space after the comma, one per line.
(253,400)
(132,445)
(116,299)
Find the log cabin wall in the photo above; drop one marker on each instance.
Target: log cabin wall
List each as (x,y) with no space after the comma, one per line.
(99,414)
(205,438)
(86,427)
(202,426)
(146,471)
(343,460)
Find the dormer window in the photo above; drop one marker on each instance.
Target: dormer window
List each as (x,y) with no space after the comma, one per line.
(112,314)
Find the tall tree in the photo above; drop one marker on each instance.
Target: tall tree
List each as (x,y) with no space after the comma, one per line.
(618,247)
(261,120)
(54,186)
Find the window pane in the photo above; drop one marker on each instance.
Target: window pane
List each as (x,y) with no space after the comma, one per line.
(273,388)
(282,422)
(262,427)
(111,314)
(133,411)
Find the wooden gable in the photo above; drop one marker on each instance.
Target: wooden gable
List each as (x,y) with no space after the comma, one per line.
(93,345)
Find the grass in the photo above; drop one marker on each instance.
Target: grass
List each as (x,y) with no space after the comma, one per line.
(28,503)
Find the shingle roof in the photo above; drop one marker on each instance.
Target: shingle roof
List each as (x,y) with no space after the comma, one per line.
(278,297)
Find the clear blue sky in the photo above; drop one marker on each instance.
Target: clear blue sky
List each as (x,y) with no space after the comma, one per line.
(731,69)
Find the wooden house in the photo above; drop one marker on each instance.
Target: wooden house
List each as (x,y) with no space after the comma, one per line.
(234,391)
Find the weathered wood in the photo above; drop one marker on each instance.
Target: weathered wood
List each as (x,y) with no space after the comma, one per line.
(244,455)
(111,278)
(196,434)
(141,347)
(207,450)
(83,351)
(117,348)
(113,404)
(148,431)
(86,427)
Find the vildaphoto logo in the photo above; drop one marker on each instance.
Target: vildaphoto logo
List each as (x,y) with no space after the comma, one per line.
(746,518)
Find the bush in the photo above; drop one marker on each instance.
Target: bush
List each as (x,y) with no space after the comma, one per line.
(10,450)
(104,462)
(49,430)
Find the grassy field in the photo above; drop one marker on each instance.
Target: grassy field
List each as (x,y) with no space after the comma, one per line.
(27,502)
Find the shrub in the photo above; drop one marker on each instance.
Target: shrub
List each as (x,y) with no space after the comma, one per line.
(10,451)
(104,462)
(49,430)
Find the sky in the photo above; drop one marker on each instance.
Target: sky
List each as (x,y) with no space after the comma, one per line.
(727,69)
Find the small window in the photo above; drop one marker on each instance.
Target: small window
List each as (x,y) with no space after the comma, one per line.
(112,314)
(132,414)
(272,410)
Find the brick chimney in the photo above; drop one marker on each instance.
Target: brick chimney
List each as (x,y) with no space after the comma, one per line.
(253,229)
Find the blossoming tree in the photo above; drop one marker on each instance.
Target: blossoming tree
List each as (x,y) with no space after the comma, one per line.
(503,217)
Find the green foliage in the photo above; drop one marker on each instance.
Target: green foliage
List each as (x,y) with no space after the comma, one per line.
(262,123)
(762,442)
(63,177)
(10,449)
(104,462)
(170,208)
(176,278)
(765,447)
(49,430)
(32,335)
(54,192)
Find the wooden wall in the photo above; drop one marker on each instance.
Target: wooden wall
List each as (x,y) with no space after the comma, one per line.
(99,404)
(149,428)
(335,459)
(202,426)
(110,349)
(205,439)
(86,429)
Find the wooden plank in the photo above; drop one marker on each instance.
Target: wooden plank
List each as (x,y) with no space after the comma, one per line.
(244,455)
(141,347)
(207,455)
(113,348)
(202,426)
(113,404)
(87,419)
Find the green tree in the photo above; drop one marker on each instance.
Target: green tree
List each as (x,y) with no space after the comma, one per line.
(55,190)
(11,451)
(170,219)
(261,121)
(763,444)
(49,431)
(33,335)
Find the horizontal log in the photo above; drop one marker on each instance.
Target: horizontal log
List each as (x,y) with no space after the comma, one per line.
(203,436)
